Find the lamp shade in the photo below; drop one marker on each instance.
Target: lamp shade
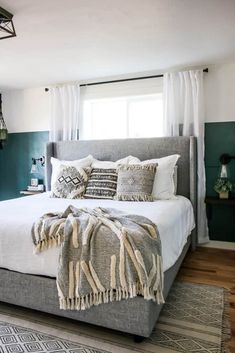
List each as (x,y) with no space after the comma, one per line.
(224,171)
(34,167)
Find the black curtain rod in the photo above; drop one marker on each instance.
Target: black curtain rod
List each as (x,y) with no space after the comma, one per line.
(121,80)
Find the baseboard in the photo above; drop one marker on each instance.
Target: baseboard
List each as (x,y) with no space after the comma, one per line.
(220,245)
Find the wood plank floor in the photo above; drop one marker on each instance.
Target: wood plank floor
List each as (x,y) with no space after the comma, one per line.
(215,267)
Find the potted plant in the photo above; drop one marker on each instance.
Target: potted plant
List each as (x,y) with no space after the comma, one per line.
(223,186)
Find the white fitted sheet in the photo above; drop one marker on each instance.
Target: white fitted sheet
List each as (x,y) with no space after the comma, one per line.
(174,219)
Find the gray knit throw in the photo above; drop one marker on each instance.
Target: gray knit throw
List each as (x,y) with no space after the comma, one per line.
(105,255)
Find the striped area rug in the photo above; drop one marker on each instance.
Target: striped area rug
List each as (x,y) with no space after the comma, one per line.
(193,320)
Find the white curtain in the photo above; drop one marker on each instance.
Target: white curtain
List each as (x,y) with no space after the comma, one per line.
(184,111)
(64,112)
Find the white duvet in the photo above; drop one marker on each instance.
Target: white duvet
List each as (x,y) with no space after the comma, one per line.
(174,219)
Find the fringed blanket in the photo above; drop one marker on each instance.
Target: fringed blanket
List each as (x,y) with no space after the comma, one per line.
(105,256)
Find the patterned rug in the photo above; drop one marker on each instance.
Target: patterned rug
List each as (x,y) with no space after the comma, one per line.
(193,320)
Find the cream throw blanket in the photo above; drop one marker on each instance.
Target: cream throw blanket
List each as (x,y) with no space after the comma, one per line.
(105,256)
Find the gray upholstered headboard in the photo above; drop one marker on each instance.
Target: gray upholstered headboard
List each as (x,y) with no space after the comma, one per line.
(145,148)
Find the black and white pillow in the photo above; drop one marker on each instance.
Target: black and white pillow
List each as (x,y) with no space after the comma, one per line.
(102,184)
(70,182)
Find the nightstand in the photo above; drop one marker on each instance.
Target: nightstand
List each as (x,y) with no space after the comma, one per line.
(27,192)
(213,200)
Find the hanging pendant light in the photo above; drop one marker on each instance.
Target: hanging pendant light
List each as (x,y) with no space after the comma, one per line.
(3,128)
(7,29)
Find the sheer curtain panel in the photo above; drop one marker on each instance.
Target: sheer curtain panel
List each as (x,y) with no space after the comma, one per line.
(64,112)
(184,114)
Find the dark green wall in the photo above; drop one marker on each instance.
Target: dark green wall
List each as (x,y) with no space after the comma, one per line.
(219,139)
(16,160)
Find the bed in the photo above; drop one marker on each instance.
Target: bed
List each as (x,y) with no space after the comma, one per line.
(29,280)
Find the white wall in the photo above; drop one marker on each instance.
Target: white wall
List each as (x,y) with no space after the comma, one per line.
(26,110)
(29,109)
(220,93)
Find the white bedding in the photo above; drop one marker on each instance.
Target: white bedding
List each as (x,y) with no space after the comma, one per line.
(174,219)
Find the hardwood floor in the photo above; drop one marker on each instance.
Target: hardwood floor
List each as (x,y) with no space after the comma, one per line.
(215,267)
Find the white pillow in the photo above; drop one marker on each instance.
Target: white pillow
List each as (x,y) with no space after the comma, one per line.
(78,163)
(112,165)
(175,179)
(163,186)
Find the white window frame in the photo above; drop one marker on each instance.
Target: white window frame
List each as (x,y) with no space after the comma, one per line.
(135,90)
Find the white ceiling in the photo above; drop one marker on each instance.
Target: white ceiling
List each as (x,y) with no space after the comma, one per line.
(59,41)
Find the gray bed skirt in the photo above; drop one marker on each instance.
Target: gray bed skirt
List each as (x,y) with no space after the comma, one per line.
(136,316)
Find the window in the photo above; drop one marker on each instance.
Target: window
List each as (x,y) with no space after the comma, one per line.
(116,116)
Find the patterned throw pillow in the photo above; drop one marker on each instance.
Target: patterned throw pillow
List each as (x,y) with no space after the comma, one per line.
(70,182)
(102,184)
(135,182)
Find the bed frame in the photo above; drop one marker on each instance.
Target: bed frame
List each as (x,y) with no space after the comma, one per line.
(136,316)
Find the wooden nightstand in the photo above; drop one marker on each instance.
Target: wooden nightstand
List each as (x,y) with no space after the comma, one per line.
(214,200)
(27,192)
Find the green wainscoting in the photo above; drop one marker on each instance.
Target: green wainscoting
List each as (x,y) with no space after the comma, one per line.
(219,139)
(16,160)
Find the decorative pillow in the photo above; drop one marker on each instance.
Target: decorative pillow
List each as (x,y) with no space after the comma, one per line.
(78,163)
(102,184)
(70,182)
(109,165)
(135,182)
(163,187)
